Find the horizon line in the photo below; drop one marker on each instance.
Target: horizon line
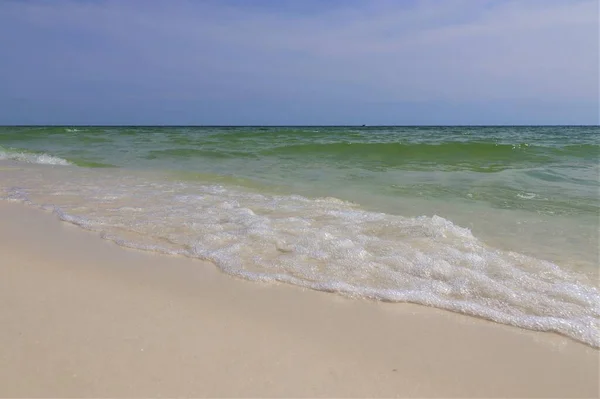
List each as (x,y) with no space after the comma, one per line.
(299,125)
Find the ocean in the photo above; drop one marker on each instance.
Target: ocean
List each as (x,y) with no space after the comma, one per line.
(500,223)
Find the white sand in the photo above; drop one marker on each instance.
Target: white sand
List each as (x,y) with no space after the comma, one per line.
(80,316)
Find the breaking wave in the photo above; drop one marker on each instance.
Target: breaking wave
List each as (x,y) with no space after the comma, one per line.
(31,157)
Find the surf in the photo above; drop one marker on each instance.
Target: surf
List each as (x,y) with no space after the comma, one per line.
(329,245)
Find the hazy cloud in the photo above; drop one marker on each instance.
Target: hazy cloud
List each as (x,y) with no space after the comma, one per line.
(221,62)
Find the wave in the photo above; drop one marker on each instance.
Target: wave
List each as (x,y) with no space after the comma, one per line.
(31,157)
(43,158)
(464,149)
(580,150)
(90,164)
(483,157)
(331,245)
(194,152)
(441,151)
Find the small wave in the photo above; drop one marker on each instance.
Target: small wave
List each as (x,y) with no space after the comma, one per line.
(90,164)
(484,157)
(331,245)
(526,196)
(194,152)
(30,157)
(460,153)
(579,150)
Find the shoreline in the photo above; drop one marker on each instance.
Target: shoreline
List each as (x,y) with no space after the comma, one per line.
(86,317)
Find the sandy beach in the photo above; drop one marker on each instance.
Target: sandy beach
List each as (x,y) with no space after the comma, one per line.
(82,317)
(299,199)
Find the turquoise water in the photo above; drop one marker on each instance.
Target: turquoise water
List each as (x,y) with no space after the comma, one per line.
(496,222)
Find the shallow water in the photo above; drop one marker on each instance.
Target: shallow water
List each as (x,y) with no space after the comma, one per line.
(496,222)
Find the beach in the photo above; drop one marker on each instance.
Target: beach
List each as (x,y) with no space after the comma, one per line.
(496,222)
(299,261)
(83,317)
(299,199)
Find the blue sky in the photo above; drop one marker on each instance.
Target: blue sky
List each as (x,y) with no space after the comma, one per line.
(299,62)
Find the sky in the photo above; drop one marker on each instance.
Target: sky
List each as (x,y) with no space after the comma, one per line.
(302,62)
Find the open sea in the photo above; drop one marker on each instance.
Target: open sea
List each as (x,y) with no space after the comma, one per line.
(500,223)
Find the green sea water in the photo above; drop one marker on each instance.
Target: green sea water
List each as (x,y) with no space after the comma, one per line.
(500,166)
(472,219)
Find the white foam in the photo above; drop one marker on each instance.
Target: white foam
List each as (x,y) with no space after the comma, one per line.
(527,196)
(43,159)
(331,245)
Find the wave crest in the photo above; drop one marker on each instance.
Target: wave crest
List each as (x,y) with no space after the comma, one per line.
(30,157)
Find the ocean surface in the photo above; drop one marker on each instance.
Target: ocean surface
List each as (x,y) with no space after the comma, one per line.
(500,223)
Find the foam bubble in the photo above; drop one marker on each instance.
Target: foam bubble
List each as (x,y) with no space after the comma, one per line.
(527,196)
(331,245)
(43,159)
